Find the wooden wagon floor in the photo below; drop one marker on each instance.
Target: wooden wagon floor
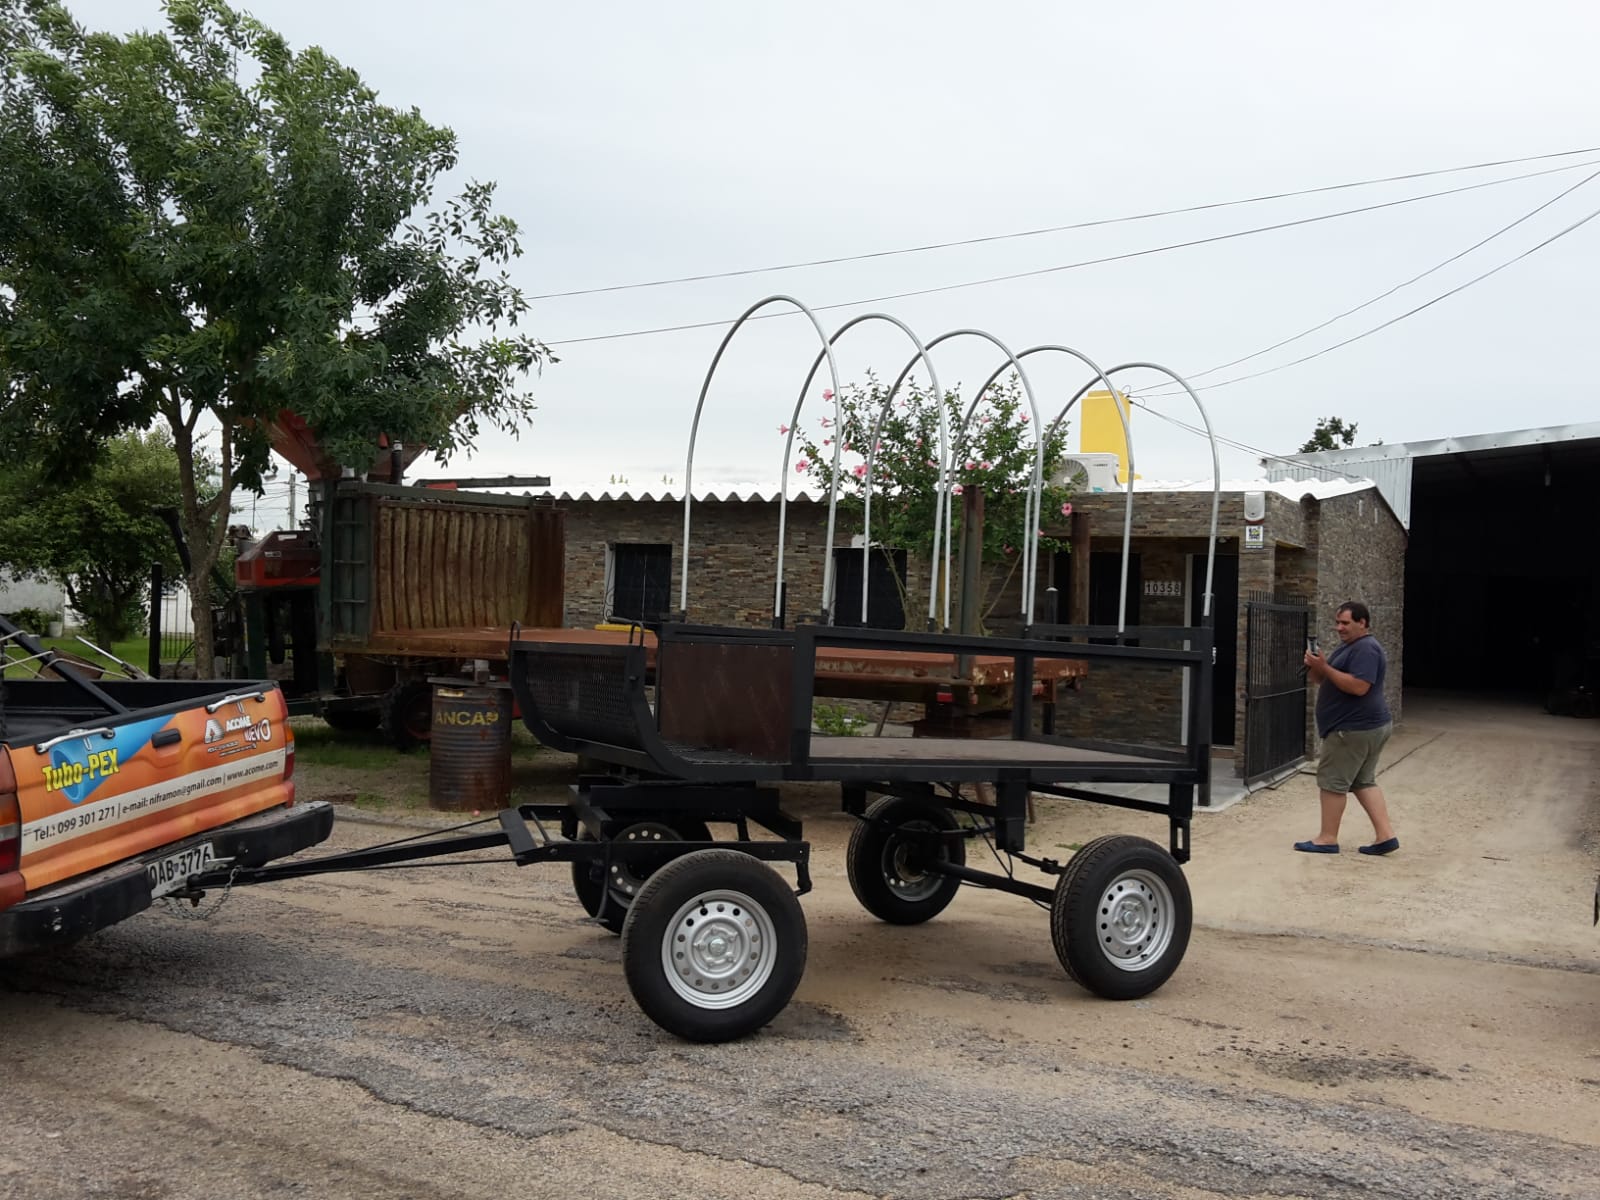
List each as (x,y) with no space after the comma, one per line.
(929,749)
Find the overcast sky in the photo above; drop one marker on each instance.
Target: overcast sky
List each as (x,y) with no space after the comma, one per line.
(640,141)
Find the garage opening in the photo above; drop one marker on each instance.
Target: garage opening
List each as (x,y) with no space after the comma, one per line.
(1503,572)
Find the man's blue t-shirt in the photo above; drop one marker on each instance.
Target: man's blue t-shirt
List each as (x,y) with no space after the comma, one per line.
(1337,709)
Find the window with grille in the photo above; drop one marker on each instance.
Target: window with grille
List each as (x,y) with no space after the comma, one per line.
(639,581)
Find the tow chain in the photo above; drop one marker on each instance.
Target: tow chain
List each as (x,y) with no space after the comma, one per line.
(194,912)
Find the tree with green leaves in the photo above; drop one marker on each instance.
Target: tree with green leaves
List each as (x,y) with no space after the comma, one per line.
(1332,433)
(995,450)
(204,228)
(98,535)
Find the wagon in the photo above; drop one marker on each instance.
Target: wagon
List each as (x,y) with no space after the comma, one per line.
(688,726)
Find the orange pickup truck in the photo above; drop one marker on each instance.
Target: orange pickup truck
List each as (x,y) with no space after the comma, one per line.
(115,793)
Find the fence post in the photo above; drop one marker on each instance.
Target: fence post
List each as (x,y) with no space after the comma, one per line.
(156,584)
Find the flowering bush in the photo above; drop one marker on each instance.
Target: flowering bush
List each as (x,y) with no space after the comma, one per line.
(995,451)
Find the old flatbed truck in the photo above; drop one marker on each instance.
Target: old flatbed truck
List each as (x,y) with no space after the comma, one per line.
(114,794)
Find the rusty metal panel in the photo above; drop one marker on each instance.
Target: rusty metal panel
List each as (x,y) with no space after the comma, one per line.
(442,565)
(545,566)
(727,696)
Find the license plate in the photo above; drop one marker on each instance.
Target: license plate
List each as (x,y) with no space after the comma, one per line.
(172,873)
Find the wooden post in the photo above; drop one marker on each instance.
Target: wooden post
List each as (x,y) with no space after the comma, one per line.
(1078,599)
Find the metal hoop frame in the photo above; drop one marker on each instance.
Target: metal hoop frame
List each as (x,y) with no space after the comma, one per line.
(942,505)
(694,433)
(1032,514)
(1216,476)
(947,452)
(794,422)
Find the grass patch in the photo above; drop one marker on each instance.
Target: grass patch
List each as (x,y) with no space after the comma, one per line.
(136,651)
(836,720)
(318,744)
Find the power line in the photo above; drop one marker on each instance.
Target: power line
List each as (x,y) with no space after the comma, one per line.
(1504,229)
(1111,258)
(1028,233)
(1396,320)
(1235,444)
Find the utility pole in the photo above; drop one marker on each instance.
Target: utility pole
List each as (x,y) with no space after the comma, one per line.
(292,476)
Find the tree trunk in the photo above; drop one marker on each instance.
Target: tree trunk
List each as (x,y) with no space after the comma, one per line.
(205,526)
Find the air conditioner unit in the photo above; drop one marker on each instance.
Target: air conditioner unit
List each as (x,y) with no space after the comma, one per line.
(1087,472)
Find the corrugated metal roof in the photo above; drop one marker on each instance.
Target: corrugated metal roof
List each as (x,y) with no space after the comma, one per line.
(1389,466)
(713,494)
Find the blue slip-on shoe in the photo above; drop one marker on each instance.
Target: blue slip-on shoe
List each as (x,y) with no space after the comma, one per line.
(1385,847)
(1316,848)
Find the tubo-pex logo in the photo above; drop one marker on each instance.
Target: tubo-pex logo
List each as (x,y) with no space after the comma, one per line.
(78,767)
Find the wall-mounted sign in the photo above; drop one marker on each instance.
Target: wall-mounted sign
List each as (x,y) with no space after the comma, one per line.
(1255,537)
(1163,587)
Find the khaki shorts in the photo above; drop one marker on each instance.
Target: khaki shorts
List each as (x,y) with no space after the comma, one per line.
(1349,759)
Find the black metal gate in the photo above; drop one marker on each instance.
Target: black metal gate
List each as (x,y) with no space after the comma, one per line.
(1275,686)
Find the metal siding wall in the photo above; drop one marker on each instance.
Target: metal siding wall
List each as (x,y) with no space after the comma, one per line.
(441,567)
(1391,475)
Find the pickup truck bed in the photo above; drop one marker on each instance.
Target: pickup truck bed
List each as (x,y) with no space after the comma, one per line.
(113,794)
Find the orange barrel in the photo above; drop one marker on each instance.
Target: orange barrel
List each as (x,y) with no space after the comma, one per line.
(470,752)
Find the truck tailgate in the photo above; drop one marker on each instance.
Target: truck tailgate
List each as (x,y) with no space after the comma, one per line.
(126,785)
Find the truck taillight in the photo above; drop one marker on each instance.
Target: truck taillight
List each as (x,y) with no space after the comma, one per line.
(10,833)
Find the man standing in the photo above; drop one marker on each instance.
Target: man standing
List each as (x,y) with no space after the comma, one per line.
(1354,722)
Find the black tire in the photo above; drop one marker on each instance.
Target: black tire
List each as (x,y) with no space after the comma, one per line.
(884,863)
(589,876)
(1121,916)
(352,720)
(406,715)
(735,937)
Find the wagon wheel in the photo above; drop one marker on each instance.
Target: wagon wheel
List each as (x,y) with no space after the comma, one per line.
(714,946)
(618,882)
(887,858)
(1121,916)
(407,715)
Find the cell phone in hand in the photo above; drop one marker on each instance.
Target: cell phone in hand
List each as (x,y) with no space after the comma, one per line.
(1311,645)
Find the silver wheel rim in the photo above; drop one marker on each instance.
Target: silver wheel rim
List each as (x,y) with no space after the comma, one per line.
(1134,920)
(904,881)
(719,950)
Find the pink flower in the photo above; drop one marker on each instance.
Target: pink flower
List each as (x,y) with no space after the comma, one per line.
(1024,418)
(932,463)
(986,466)
(827,393)
(782,429)
(970,464)
(802,466)
(827,441)
(844,446)
(860,470)
(1066,510)
(957,490)
(1008,550)
(826,424)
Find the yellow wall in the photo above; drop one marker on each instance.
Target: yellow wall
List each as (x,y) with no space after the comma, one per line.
(1100,429)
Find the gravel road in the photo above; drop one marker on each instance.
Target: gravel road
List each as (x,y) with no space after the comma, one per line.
(1424,1026)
